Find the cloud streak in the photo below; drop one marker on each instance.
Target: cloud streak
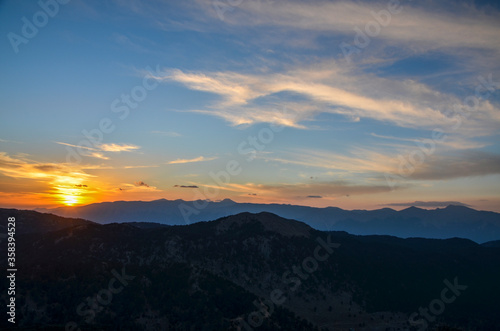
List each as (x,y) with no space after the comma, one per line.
(196,159)
(98,151)
(330,88)
(118,147)
(409,24)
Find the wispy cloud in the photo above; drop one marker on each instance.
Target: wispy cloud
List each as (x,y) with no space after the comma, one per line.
(465,164)
(294,191)
(118,147)
(465,26)
(196,159)
(77,146)
(452,142)
(331,88)
(98,155)
(98,151)
(374,165)
(140,166)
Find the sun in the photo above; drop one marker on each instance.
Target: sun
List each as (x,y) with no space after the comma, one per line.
(70,200)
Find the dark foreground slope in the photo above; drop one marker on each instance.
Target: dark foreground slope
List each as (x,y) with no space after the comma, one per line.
(255,271)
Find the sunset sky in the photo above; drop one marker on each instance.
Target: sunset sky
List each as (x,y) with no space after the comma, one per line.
(358,105)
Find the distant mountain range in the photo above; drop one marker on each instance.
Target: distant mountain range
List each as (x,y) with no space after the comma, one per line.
(244,272)
(449,222)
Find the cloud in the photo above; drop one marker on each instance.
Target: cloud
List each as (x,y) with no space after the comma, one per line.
(137,187)
(451,142)
(464,164)
(326,190)
(315,196)
(97,151)
(186,186)
(48,182)
(141,183)
(466,35)
(140,166)
(118,147)
(427,204)
(22,167)
(363,163)
(410,25)
(77,146)
(196,159)
(47,167)
(356,161)
(330,87)
(98,155)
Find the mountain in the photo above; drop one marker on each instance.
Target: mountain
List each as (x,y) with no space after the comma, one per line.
(449,222)
(495,243)
(28,221)
(248,272)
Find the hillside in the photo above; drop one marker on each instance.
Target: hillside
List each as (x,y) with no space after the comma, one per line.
(214,275)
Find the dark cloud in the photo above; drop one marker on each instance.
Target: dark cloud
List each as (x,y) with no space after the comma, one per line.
(427,204)
(465,164)
(9,164)
(46,167)
(141,183)
(315,196)
(186,186)
(81,185)
(252,194)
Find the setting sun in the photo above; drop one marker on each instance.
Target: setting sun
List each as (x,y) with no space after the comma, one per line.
(69,196)
(70,200)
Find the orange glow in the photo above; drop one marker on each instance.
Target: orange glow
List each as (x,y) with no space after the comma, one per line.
(70,200)
(69,191)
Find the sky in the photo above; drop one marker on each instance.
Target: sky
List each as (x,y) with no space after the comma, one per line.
(352,104)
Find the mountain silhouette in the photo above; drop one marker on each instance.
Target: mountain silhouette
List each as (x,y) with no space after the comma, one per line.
(224,275)
(449,222)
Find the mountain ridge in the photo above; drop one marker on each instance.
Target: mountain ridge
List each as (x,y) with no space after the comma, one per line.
(196,275)
(448,222)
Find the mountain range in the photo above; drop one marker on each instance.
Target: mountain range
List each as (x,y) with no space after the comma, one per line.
(249,271)
(441,223)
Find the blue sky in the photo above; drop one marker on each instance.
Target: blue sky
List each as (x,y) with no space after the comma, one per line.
(358,105)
